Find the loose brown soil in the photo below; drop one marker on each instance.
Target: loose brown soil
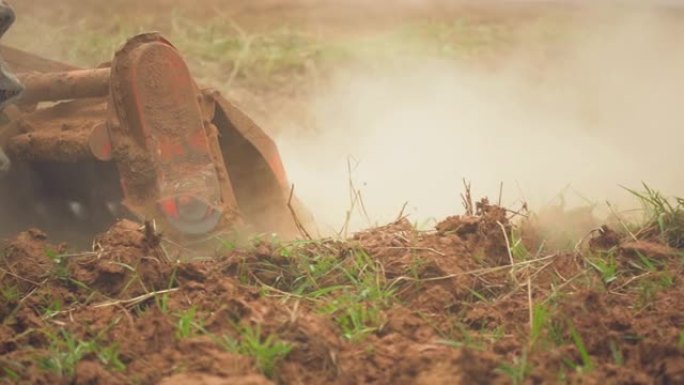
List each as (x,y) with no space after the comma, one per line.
(459,313)
(391,305)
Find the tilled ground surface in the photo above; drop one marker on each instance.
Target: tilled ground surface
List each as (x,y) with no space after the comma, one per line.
(392,305)
(477,300)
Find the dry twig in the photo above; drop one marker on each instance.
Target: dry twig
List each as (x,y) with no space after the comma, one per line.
(297,222)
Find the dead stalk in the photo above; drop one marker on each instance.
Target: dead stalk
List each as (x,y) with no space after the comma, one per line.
(79,255)
(34,283)
(356,203)
(430,249)
(508,245)
(135,300)
(297,222)
(629,281)
(622,223)
(517,213)
(566,283)
(529,302)
(468,199)
(579,243)
(281,292)
(483,271)
(401,213)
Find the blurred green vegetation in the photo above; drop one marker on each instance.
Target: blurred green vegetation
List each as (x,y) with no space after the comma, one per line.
(221,51)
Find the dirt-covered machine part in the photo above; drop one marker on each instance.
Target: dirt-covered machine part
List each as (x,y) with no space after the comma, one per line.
(137,137)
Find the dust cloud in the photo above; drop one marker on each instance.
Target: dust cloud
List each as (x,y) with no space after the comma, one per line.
(601,107)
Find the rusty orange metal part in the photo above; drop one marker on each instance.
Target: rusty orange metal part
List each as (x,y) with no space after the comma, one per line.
(77,84)
(185,157)
(156,104)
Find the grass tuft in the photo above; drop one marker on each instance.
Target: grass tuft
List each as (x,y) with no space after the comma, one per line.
(541,321)
(267,352)
(66,351)
(606,265)
(189,324)
(518,370)
(587,362)
(664,217)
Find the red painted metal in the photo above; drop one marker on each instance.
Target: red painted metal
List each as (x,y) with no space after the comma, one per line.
(156,102)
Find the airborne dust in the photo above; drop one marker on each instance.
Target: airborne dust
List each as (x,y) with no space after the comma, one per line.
(567,124)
